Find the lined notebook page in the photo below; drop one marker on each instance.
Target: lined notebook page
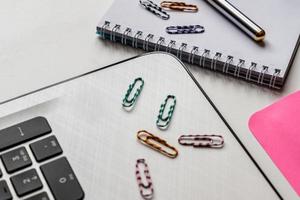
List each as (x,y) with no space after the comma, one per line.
(276,17)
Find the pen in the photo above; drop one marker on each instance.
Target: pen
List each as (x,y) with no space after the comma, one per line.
(239,19)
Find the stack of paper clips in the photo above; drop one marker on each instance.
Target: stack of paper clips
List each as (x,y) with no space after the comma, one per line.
(158,144)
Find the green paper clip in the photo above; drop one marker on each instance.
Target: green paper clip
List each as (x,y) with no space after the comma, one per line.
(128,103)
(163,122)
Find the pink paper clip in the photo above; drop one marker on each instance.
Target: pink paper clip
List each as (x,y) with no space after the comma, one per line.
(146,189)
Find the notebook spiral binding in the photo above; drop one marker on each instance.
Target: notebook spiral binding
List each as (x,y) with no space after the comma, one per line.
(213,61)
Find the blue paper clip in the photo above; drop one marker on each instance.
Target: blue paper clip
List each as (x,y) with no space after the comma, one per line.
(185,29)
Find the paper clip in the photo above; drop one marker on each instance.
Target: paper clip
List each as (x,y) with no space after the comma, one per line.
(198,141)
(129,102)
(157,144)
(185,29)
(179,6)
(146,189)
(163,122)
(155,9)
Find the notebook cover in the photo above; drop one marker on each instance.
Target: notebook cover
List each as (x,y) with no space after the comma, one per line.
(277,129)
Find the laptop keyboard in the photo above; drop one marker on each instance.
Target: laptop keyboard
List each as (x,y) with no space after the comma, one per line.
(24,178)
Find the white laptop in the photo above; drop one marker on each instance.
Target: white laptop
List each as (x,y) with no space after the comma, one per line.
(73,140)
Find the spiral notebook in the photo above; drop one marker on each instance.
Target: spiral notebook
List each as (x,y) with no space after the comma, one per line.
(222,47)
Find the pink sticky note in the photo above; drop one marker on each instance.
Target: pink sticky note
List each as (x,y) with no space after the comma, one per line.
(277,129)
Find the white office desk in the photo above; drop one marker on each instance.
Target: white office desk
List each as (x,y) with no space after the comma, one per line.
(42,42)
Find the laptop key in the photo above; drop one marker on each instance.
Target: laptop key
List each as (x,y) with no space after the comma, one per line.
(22,132)
(4,191)
(41,196)
(46,148)
(62,180)
(26,182)
(16,160)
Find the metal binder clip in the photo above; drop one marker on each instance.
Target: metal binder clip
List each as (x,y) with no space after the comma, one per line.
(157,144)
(129,102)
(163,121)
(185,29)
(155,9)
(146,189)
(179,6)
(210,141)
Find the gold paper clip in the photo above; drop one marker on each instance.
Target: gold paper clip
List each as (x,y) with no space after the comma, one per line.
(179,6)
(210,141)
(157,144)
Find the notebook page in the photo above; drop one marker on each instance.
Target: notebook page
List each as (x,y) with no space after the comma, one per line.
(276,17)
